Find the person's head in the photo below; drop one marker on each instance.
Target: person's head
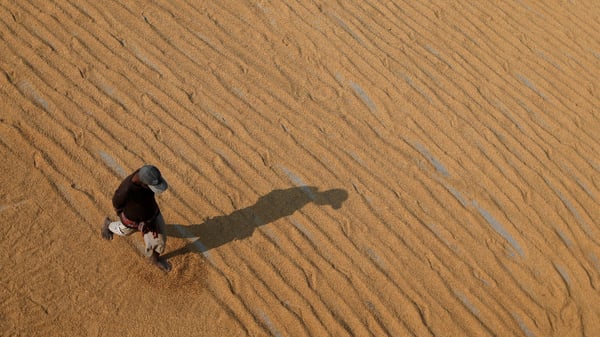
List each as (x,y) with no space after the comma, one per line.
(150,175)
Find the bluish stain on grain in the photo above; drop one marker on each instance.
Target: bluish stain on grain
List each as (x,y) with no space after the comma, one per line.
(435,230)
(548,59)
(112,163)
(413,85)
(142,57)
(300,183)
(564,237)
(29,91)
(269,324)
(376,258)
(304,231)
(563,273)
(437,54)
(594,260)
(436,163)
(356,157)
(530,85)
(363,96)
(347,28)
(206,40)
(587,189)
(574,211)
(497,226)
(463,298)
(110,92)
(458,196)
(522,325)
(271,234)
(500,106)
(238,92)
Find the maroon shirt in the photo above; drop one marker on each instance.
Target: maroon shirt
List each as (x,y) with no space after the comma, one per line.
(135,201)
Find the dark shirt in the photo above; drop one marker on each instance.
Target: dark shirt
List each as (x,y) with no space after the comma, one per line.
(135,201)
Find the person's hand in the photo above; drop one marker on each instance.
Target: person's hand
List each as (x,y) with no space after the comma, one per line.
(106,233)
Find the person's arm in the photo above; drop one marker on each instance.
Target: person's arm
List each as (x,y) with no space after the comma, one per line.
(120,197)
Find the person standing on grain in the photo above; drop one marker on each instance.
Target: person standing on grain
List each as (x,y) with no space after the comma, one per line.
(138,211)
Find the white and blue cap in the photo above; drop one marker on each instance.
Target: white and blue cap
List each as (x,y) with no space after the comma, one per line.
(150,175)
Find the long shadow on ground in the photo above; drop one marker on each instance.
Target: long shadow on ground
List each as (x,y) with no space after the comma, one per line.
(240,224)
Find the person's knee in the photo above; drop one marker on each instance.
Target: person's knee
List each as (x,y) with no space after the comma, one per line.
(118,228)
(160,243)
(154,244)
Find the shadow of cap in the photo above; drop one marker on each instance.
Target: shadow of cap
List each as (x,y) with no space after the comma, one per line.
(334,197)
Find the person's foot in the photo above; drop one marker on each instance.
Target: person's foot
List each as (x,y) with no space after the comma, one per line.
(160,263)
(106,233)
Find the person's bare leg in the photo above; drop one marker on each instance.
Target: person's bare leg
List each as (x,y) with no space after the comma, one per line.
(163,265)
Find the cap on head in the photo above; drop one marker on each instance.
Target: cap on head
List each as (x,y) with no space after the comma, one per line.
(151,176)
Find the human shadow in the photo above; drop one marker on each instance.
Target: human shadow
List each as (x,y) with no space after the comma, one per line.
(240,224)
